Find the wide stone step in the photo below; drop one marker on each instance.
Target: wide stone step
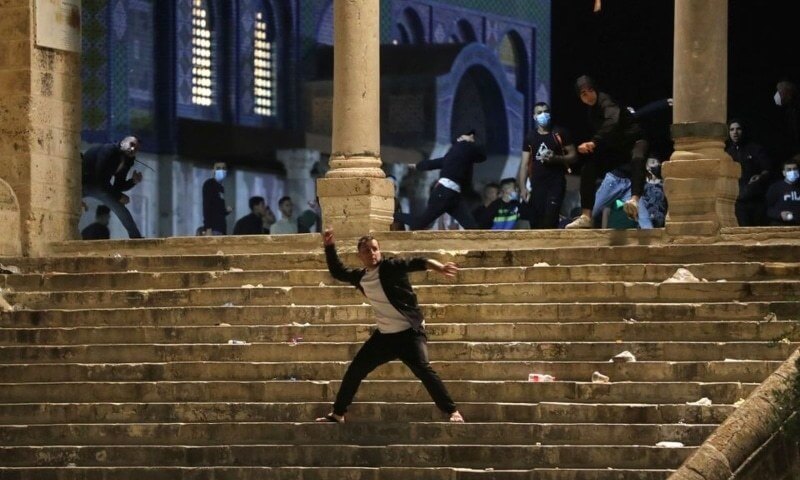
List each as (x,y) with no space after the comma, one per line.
(455,312)
(375,390)
(325,473)
(384,433)
(475,456)
(227,278)
(666,254)
(743,371)
(452,351)
(638,331)
(494,293)
(366,411)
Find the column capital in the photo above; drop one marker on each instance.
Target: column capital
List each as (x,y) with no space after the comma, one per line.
(298,162)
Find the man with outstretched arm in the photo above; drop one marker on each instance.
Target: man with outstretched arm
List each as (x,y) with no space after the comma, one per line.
(401,327)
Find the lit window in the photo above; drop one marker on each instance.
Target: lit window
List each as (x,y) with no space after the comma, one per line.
(263,69)
(202,55)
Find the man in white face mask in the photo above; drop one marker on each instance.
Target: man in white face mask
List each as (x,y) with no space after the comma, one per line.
(783,197)
(214,208)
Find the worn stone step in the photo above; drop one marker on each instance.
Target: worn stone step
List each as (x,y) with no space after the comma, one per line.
(473,293)
(375,390)
(475,456)
(477,257)
(366,411)
(455,312)
(743,371)
(638,331)
(325,473)
(227,278)
(305,351)
(384,433)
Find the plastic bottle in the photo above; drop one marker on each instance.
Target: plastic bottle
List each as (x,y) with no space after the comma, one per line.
(540,377)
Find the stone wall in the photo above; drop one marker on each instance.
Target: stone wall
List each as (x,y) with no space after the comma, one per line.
(39,130)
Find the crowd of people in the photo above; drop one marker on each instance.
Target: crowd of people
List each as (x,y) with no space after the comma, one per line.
(618,175)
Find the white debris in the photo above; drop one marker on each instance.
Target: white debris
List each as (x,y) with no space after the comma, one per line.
(785,341)
(117,256)
(321,284)
(669,444)
(235,270)
(629,320)
(220,252)
(4,305)
(738,403)
(722,280)
(247,285)
(298,324)
(228,304)
(540,377)
(286,289)
(703,402)
(682,275)
(223,324)
(541,264)
(623,357)
(771,317)
(598,377)
(9,269)
(237,342)
(133,271)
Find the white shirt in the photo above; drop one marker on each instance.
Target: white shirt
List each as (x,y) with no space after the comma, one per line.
(283,226)
(388,318)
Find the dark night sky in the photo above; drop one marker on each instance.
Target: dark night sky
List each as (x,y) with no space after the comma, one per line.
(628,49)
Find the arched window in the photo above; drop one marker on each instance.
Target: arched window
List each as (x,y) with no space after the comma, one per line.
(264,78)
(203,87)
(466,32)
(409,28)
(513,57)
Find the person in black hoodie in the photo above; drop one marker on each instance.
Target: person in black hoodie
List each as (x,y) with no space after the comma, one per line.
(214,208)
(619,153)
(99,229)
(755,177)
(456,176)
(101,164)
(401,326)
(783,197)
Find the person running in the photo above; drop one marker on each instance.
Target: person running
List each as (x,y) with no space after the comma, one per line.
(401,326)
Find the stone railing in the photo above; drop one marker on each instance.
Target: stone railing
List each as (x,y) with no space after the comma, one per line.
(738,440)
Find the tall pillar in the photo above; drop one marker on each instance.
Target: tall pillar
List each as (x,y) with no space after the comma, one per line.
(355,195)
(701,180)
(299,183)
(40,120)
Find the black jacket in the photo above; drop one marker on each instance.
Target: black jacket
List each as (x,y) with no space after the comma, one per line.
(214,209)
(616,132)
(393,273)
(100,165)
(250,224)
(457,163)
(753,160)
(783,196)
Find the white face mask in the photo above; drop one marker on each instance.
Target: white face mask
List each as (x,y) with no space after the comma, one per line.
(778,100)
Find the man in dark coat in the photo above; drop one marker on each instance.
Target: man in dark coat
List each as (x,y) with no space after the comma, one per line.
(101,164)
(214,208)
(456,176)
(99,229)
(755,178)
(257,222)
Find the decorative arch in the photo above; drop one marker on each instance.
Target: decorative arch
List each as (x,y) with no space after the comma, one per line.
(514,57)
(502,103)
(466,31)
(409,28)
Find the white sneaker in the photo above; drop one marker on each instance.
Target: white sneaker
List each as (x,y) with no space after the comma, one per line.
(581,222)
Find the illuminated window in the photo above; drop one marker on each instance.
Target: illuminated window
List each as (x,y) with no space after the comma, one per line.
(263,69)
(202,55)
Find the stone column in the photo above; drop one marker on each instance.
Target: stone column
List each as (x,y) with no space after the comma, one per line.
(701,180)
(299,183)
(355,195)
(40,122)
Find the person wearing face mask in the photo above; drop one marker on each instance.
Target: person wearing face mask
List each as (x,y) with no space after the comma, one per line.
(755,177)
(506,209)
(112,161)
(546,155)
(654,199)
(783,196)
(214,208)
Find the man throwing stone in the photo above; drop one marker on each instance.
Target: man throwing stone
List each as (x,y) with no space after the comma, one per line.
(401,328)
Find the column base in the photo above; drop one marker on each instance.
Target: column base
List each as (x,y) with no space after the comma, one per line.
(356,206)
(701,185)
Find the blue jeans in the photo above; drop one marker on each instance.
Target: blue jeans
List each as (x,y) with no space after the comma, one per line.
(618,188)
(110,199)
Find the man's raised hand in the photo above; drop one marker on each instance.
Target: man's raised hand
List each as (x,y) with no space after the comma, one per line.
(327,237)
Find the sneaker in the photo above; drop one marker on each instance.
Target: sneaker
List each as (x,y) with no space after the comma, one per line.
(581,222)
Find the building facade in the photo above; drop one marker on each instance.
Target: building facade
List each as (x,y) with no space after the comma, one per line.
(249,82)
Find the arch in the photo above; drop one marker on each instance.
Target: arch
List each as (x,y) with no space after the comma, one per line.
(261,52)
(198,59)
(487,115)
(514,58)
(411,22)
(502,104)
(466,31)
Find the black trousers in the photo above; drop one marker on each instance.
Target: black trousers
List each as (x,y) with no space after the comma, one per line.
(442,200)
(545,202)
(411,347)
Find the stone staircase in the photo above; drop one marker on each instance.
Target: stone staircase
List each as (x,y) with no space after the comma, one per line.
(117,365)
